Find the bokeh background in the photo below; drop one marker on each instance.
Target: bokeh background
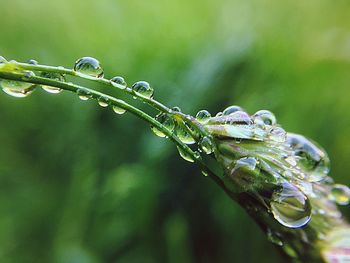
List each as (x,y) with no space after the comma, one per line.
(80,184)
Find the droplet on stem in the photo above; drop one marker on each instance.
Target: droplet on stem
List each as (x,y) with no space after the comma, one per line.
(143,88)
(103,102)
(83,94)
(264,117)
(89,66)
(166,121)
(53,76)
(16,89)
(119,80)
(206,144)
(203,116)
(185,155)
(118,110)
(231,109)
(340,194)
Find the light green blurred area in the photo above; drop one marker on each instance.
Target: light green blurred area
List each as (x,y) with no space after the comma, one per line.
(79,184)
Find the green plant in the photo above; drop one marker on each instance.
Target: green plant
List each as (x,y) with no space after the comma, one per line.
(281,179)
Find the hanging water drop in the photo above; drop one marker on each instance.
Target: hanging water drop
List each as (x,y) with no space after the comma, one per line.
(186,156)
(103,102)
(166,121)
(53,76)
(143,88)
(119,80)
(340,194)
(264,117)
(83,94)
(206,144)
(16,89)
(118,110)
(89,66)
(290,206)
(203,116)
(231,109)
(183,134)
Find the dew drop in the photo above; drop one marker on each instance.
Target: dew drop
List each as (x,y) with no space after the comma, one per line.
(16,89)
(239,117)
(183,134)
(231,109)
(118,110)
(290,206)
(219,114)
(83,94)
(89,66)
(143,88)
(264,117)
(166,121)
(340,194)
(203,116)
(32,62)
(53,76)
(103,102)
(120,81)
(176,109)
(185,155)
(277,134)
(206,144)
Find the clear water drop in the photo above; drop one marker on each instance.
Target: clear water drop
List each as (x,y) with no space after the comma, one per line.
(32,62)
(83,94)
(231,109)
(185,155)
(203,116)
(89,66)
(118,110)
(340,194)
(120,81)
(219,114)
(176,109)
(16,89)
(183,134)
(166,121)
(206,144)
(103,102)
(53,76)
(239,117)
(277,134)
(264,117)
(143,88)
(290,206)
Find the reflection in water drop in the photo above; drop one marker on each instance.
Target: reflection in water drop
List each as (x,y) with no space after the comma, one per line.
(119,80)
(206,144)
(83,94)
(166,121)
(89,66)
(264,117)
(185,155)
(118,110)
(16,89)
(143,88)
(277,134)
(203,116)
(290,206)
(231,109)
(340,194)
(183,134)
(103,102)
(53,76)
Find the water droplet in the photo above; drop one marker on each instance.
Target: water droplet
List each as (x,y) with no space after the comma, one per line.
(166,121)
(219,114)
(264,117)
(340,194)
(32,62)
(205,173)
(16,89)
(277,134)
(290,206)
(238,117)
(53,76)
(231,109)
(185,155)
(203,116)
(176,109)
(83,94)
(183,134)
(118,110)
(89,66)
(119,80)
(311,157)
(103,102)
(143,88)
(206,144)
(274,238)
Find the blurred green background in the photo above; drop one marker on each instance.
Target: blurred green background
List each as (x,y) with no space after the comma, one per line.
(80,184)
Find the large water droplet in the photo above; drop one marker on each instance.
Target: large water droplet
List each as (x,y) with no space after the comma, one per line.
(264,117)
(290,206)
(118,110)
(166,121)
(16,89)
(53,76)
(119,80)
(183,134)
(231,109)
(206,144)
(340,194)
(203,116)
(185,155)
(103,102)
(311,157)
(143,88)
(89,66)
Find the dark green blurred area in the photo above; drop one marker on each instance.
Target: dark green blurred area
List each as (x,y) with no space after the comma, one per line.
(80,184)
